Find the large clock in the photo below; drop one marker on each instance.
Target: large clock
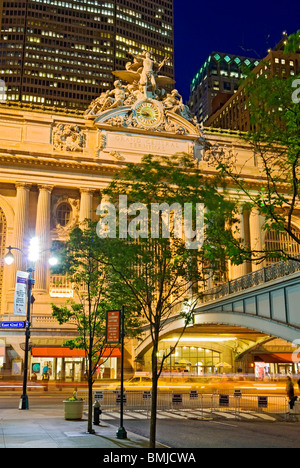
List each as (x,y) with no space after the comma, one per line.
(148,112)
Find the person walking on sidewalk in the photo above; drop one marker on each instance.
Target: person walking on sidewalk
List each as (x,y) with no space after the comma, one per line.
(290,392)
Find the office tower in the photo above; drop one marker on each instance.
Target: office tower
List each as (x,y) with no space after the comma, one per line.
(61,53)
(234,114)
(216,81)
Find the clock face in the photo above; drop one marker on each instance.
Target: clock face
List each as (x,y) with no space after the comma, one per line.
(148,113)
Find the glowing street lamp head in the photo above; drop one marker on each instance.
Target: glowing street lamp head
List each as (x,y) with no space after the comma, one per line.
(9,258)
(34,249)
(53,261)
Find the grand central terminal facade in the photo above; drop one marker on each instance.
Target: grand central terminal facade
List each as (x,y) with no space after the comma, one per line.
(54,167)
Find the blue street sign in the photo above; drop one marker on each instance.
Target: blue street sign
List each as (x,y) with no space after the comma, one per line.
(12,324)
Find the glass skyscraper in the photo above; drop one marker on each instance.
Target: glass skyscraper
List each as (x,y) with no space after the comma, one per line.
(62,53)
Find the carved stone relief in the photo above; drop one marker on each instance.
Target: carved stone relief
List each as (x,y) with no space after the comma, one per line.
(66,137)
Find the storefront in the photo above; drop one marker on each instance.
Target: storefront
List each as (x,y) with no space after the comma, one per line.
(68,365)
(274,365)
(190,360)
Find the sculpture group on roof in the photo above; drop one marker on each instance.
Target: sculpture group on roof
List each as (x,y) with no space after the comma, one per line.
(144,81)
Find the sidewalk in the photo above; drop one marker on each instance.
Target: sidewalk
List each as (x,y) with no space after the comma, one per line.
(47,428)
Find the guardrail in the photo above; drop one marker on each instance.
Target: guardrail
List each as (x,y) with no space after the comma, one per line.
(193,400)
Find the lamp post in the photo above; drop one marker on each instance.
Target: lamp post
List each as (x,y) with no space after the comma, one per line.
(121,433)
(33,256)
(24,403)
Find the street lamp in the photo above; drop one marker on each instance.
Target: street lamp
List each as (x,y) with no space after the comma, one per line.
(34,253)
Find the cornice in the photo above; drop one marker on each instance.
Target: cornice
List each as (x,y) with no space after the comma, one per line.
(51,162)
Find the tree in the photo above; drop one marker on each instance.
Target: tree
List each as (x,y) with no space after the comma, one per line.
(163,270)
(292,44)
(275,142)
(82,263)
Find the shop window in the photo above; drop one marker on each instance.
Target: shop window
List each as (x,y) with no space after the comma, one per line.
(192,360)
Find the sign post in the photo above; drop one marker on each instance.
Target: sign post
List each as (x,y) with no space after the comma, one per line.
(122,434)
(24,404)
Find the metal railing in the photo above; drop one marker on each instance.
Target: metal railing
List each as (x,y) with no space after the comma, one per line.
(256,278)
(204,404)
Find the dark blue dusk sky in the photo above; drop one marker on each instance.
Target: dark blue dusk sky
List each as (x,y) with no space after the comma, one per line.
(246,27)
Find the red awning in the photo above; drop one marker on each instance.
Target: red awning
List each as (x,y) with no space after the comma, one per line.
(274,358)
(59,352)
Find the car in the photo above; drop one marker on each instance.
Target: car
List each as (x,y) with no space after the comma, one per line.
(135,383)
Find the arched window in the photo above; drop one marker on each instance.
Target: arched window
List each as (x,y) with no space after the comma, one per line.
(2,250)
(281,241)
(64,214)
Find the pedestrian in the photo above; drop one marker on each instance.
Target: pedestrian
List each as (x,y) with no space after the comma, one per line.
(290,392)
(45,380)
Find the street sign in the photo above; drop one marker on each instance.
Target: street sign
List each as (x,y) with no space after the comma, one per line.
(224,401)
(147,395)
(99,395)
(193,394)
(177,398)
(262,401)
(20,298)
(237,392)
(118,398)
(9,325)
(113,323)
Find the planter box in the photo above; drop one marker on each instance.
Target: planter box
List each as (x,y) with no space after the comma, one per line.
(73,409)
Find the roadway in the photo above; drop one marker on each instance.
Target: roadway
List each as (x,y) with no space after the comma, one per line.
(214,434)
(179,429)
(210,386)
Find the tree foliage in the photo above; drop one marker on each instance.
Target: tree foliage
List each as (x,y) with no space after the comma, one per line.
(95,292)
(275,142)
(163,273)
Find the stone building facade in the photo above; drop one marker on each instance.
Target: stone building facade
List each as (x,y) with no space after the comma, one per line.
(54,167)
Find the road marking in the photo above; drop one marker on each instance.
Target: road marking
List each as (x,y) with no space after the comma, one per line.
(185,414)
(224,414)
(242,414)
(223,423)
(171,415)
(264,416)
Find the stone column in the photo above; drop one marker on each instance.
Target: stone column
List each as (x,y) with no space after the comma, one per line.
(20,230)
(42,231)
(236,271)
(86,205)
(256,243)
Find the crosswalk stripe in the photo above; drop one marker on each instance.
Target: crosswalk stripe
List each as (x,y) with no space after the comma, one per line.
(242,414)
(224,414)
(172,415)
(142,415)
(264,416)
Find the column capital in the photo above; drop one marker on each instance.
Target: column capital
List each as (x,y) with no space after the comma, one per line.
(45,187)
(87,190)
(23,185)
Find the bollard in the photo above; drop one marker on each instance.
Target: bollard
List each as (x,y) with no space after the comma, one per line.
(97,412)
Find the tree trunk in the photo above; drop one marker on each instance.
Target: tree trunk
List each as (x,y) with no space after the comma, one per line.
(154,396)
(90,429)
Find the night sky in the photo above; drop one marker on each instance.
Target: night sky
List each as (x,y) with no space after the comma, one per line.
(246,28)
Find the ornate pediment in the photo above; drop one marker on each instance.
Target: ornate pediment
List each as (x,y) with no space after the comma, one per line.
(140,102)
(130,118)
